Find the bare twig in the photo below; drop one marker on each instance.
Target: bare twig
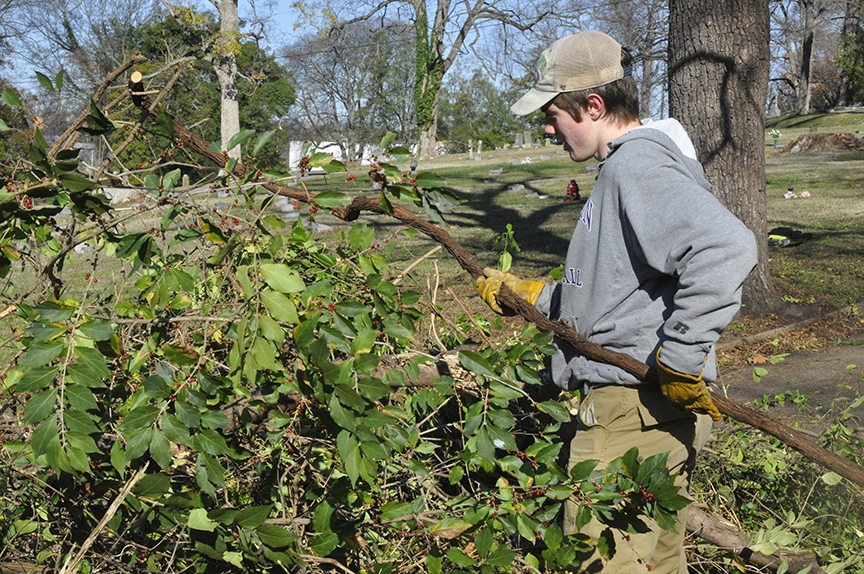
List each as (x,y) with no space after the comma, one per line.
(71,564)
(420,260)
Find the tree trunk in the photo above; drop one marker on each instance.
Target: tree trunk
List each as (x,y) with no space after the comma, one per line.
(851,22)
(225,65)
(804,90)
(718,82)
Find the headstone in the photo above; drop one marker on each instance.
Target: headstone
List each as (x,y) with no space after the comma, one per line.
(496,171)
(321,227)
(515,187)
(535,195)
(470,149)
(518,143)
(526,138)
(560,152)
(479,148)
(544,157)
(591,168)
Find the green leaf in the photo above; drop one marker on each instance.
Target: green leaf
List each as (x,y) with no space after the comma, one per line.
(210,442)
(165,124)
(553,537)
(262,140)
(239,138)
(45,439)
(79,421)
(41,353)
(171,179)
(349,451)
(45,81)
(281,307)
(11,98)
(324,544)
(80,397)
(831,478)
(331,199)
(174,430)
(4,127)
(387,139)
(35,379)
(153,486)
(40,406)
(459,558)
(281,278)
(58,80)
(97,330)
(582,470)
(341,416)
(275,536)
(160,450)
(198,520)
(502,557)
(476,363)
(270,329)
(252,517)
(430,180)
(94,361)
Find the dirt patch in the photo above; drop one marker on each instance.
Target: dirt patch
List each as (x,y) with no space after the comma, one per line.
(806,371)
(823,142)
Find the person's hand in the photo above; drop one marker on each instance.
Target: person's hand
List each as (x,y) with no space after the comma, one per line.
(687,391)
(489,286)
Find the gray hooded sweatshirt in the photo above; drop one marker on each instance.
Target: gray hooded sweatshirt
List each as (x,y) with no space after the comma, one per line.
(655,259)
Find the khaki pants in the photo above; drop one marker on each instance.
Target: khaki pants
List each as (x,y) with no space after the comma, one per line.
(613,419)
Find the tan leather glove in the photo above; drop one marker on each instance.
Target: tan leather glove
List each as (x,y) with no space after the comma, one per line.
(687,391)
(489,286)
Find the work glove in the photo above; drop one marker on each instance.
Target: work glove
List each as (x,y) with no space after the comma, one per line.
(687,391)
(489,286)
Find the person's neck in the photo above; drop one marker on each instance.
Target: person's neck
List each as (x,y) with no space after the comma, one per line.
(610,132)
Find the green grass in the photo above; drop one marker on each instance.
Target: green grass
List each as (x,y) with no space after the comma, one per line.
(827,268)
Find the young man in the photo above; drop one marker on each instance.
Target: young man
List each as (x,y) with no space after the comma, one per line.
(654,270)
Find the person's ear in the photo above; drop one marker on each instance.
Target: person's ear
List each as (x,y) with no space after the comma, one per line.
(596,108)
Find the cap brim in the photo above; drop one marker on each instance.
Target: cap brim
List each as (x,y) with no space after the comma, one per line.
(532,101)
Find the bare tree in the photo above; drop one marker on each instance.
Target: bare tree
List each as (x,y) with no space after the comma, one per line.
(642,28)
(798,29)
(351,84)
(85,38)
(718,80)
(441,31)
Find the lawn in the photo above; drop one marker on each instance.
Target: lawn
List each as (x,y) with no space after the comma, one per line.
(527,189)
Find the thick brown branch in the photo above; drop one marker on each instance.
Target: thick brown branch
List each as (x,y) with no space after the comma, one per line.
(727,537)
(79,121)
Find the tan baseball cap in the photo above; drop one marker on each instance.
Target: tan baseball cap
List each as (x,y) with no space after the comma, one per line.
(576,62)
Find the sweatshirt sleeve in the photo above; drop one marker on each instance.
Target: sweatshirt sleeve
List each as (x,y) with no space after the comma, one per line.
(681,230)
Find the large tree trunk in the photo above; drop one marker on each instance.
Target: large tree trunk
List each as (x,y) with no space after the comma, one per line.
(804,91)
(718,82)
(225,65)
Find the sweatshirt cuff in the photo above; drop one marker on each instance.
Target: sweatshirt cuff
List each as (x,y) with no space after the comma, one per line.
(681,357)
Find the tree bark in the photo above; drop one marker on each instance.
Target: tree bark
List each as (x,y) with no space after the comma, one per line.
(718,82)
(727,537)
(225,66)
